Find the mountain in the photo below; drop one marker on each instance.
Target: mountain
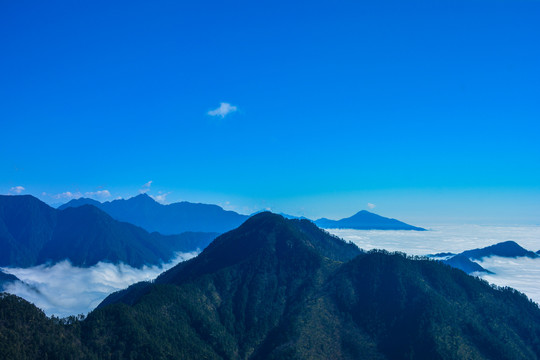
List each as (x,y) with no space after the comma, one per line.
(276,288)
(465,264)
(463,260)
(365,220)
(33,233)
(175,218)
(284,289)
(504,249)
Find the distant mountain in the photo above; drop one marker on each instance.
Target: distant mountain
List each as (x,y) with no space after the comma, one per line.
(33,233)
(463,260)
(465,264)
(276,288)
(174,218)
(503,249)
(365,220)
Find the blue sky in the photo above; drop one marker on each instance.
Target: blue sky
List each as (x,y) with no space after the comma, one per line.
(428,110)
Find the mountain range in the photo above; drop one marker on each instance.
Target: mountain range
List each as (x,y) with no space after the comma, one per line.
(284,289)
(32,233)
(175,218)
(365,220)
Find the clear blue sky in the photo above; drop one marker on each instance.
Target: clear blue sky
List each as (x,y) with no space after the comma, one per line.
(430,110)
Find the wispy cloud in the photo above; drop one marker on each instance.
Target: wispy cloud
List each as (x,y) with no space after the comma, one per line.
(161,197)
(371,206)
(16,190)
(223,110)
(67,195)
(145,188)
(100,194)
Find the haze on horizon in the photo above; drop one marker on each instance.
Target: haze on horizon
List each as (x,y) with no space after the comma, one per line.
(421,111)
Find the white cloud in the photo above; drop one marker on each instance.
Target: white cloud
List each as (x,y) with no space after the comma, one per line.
(145,188)
(161,197)
(67,195)
(222,110)
(100,194)
(371,206)
(16,190)
(64,289)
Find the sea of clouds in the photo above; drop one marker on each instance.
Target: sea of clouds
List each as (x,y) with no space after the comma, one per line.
(522,273)
(63,289)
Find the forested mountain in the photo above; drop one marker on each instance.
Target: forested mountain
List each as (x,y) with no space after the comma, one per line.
(284,289)
(175,218)
(365,220)
(33,233)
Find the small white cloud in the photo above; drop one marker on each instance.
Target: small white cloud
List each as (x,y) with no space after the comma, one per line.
(371,206)
(222,110)
(145,188)
(161,198)
(16,190)
(67,195)
(100,194)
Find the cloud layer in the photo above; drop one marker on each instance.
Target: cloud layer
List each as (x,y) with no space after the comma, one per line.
(64,289)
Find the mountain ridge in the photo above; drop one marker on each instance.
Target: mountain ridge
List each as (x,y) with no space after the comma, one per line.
(175,218)
(32,233)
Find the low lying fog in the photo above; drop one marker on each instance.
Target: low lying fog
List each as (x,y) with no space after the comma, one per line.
(63,289)
(522,274)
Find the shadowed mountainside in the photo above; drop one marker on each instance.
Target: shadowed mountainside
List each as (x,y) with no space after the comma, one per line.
(33,233)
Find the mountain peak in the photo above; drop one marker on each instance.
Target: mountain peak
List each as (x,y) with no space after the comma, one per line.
(262,237)
(365,220)
(144,197)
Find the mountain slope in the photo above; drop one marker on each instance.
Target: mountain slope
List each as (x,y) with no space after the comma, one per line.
(365,220)
(174,218)
(33,233)
(276,288)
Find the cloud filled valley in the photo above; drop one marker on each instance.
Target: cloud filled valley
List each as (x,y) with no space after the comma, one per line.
(63,289)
